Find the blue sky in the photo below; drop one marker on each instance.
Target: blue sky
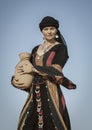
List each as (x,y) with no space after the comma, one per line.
(19,31)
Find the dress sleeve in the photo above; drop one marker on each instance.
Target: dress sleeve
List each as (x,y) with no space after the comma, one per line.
(54,66)
(59,60)
(58,56)
(55,61)
(61,56)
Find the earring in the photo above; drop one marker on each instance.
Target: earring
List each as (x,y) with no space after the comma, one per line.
(56,36)
(43,38)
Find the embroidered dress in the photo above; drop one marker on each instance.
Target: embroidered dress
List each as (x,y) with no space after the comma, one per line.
(45,108)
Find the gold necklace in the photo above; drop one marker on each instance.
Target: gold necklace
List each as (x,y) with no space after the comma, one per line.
(46,48)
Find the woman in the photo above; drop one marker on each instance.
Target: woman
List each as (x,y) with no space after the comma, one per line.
(45,108)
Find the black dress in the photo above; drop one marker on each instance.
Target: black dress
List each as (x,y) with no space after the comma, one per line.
(45,108)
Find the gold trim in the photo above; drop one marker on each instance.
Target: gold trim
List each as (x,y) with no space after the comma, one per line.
(50,86)
(23,123)
(53,91)
(26,106)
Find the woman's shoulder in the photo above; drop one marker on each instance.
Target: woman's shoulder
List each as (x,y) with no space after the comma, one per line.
(60,46)
(35,48)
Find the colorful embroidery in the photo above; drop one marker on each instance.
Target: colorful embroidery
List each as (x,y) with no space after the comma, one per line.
(39,108)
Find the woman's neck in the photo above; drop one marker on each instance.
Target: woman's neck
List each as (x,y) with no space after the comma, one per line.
(49,42)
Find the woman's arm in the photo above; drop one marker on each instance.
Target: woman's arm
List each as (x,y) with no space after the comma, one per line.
(53,70)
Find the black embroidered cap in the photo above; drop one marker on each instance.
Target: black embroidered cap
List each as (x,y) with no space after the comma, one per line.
(47,22)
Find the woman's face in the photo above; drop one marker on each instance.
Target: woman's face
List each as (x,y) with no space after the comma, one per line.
(49,33)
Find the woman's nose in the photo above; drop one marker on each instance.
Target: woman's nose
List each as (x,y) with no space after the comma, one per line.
(49,31)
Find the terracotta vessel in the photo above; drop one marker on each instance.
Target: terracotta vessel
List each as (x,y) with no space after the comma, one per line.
(23,81)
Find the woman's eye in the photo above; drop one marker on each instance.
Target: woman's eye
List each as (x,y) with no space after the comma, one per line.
(45,29)
(52,28)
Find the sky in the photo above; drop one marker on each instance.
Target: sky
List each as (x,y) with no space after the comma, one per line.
(19,32)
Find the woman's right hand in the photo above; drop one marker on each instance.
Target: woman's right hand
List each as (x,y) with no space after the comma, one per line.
(25,68)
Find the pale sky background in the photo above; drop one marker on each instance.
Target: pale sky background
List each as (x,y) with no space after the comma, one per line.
(19,32)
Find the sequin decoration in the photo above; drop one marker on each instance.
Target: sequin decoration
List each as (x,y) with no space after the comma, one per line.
(39,108)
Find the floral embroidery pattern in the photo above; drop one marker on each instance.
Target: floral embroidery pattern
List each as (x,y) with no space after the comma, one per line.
(39,108)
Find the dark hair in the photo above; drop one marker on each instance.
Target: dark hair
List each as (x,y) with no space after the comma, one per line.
(60,38)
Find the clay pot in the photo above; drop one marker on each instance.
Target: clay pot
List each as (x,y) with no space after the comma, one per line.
(23,81)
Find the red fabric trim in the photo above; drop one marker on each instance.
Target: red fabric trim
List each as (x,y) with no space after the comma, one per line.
(50,58)
(63,101)
(70,86)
